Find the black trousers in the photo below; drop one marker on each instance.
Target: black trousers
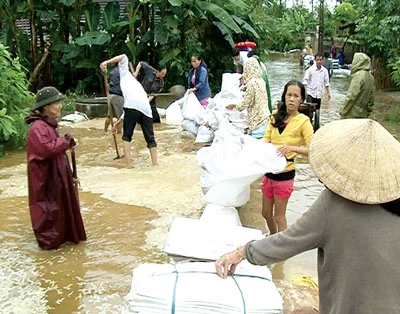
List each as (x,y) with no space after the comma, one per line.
(156,116)
(317,102)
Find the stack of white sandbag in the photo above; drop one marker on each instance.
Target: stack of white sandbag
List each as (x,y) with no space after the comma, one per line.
(201,123)
(192,113)
(217,113)
(187,112)
(194,287)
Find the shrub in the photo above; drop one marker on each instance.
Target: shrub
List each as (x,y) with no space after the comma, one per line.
(15,99)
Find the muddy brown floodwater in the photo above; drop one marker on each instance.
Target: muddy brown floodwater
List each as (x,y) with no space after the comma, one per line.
(127,215)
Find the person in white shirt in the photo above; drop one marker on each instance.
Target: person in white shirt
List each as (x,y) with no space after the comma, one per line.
(136,109)
(316,79)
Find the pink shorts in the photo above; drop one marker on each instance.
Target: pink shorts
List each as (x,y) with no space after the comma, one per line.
(204,102)
(271,188)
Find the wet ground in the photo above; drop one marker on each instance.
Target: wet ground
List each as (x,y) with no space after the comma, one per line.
(127,214)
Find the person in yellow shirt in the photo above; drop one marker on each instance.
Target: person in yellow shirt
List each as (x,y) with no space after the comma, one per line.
(291,131)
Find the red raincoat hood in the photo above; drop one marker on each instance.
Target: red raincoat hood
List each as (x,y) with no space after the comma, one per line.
(39,116)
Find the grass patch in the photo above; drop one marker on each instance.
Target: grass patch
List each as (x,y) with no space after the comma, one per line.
(392,115)
(68,104)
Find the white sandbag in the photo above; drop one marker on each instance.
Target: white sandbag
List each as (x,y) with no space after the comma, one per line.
(231,192)
(217,158)
(211,104)
(222,155)
(194,238)
(75,117)
(230,81)
(187,134)
(231,149)
(207,180)
(229,97)
(192,109)
(204,134)
(234,116)
(214,118)
(232,163)
(218,216)
(173,114)
(256,159)
(237,118)
(190,126)
(195,288)
(203,154)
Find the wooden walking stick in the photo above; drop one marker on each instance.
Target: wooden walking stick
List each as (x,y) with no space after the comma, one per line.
(74,171)
(110,115)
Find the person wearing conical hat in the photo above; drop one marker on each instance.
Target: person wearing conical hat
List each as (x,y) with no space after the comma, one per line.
(53,200)
(354,223)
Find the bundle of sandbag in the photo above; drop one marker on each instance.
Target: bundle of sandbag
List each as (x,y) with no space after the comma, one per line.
(201,123)
(194,287)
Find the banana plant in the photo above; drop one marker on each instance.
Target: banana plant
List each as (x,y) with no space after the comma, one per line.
(7,128)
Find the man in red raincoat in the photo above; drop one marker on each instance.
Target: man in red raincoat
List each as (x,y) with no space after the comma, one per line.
(53,199)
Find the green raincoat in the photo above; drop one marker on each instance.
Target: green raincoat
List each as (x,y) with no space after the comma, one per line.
(359,100)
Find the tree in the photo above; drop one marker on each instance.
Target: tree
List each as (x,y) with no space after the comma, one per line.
(373,26)
(80,34)
(284,28)
(378,32)
(208,28)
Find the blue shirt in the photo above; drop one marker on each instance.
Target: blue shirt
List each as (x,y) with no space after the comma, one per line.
(201,82)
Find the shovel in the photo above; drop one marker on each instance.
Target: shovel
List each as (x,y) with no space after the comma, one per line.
(177,91)
(111,115)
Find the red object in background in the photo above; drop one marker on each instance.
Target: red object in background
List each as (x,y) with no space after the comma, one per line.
(246,45)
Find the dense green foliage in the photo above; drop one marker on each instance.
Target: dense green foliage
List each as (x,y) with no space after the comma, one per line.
(378,30)
(82,33)
(284,28)
(15,99)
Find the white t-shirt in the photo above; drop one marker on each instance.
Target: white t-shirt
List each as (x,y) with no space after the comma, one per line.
(135,97)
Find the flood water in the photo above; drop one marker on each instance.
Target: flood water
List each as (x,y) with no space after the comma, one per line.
(127,214)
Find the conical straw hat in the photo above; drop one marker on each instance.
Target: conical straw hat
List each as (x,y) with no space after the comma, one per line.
(357,159)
